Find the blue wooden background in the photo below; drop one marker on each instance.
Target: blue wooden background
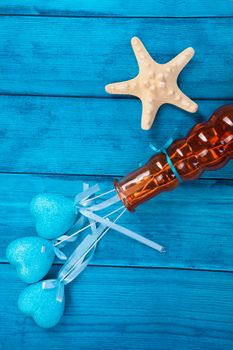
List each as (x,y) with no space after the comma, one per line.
(59,128)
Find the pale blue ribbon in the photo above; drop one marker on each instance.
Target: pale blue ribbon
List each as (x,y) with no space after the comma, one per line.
(122,230)
(55,283)
(69,237)
(82,255)
(75,265)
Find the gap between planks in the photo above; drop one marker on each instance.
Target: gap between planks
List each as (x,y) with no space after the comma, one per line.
(107,97)
(97,176)
(113,16)
(4,262)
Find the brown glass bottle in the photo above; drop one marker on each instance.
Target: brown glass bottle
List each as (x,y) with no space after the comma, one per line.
(208,146)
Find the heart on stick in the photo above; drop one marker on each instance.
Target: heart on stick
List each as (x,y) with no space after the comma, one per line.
(32,257)
(54,214)
(42,304)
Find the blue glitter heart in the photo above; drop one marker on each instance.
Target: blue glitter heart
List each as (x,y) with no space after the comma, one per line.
(32,257)
(54,214)
(42,305)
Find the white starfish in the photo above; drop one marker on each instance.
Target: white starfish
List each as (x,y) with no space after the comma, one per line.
(155,84)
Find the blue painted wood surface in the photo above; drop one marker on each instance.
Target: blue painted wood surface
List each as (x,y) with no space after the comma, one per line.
(59,128)
(128,308)
(166,219)
(56,143)
(59,56)
(119,8)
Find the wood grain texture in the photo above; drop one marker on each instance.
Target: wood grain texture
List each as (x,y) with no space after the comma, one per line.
(87,136)
(51,53)
(194,222)
(78,56)
(147,309)
(130,8)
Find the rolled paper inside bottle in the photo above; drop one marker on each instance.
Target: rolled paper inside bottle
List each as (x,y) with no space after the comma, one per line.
(146,182)
(208,146)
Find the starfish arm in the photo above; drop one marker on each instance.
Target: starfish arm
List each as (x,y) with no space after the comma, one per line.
(142,55)
(181,60)
(128,87)
(149,111)
(184,102)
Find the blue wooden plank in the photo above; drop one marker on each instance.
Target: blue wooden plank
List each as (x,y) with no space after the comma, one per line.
(194,222)
(81,136)
(122,308)
(130,8)
(74,56)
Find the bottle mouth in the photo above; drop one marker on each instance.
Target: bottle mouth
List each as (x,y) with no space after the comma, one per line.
(122,197)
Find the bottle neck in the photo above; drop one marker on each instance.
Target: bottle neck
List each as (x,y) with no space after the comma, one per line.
(154,177)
